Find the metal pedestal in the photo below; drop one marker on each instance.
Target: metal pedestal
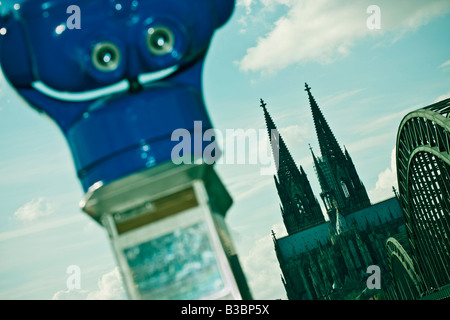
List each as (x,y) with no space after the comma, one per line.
(167,229)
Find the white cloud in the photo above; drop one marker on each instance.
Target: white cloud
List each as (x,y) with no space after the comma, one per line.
(443,97)
(261,264)
(386,180)
(251,190)
(294,135)
(35,209)
(245,3)
(248,183)
(445,66)
(70,295)
(369,142)
(267,4)
(325,30)
(110,287)
(380,123)
(337,98)
(46,226)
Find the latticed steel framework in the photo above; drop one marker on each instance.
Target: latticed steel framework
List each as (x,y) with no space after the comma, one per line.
(423,173)
(407,281)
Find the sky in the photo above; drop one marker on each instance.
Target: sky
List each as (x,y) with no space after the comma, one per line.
(364,79)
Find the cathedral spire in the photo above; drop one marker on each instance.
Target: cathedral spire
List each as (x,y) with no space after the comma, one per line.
(283,159)
(335,170)
(328,144)
(299,207)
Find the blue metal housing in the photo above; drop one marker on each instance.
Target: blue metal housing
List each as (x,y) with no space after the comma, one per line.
(125,130)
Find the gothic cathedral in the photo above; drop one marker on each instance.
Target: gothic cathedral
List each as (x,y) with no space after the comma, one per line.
(328,258)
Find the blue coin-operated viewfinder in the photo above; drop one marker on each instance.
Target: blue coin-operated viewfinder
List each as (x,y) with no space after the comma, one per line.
(119,81)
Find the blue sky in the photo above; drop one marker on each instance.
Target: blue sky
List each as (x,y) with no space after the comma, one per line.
(364,80)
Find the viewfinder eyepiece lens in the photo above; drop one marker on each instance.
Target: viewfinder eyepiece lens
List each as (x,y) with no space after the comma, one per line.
(160,40)
(105,56)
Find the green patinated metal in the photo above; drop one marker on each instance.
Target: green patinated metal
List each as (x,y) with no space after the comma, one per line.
(423,173)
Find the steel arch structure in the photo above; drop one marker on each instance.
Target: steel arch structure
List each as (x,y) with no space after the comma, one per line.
(407,280)
(423,174)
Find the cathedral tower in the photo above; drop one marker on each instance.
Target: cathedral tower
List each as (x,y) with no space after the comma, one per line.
(339,181)
(299,207)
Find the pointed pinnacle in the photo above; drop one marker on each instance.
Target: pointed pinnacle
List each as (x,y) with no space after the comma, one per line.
(307,88)
(263,104)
